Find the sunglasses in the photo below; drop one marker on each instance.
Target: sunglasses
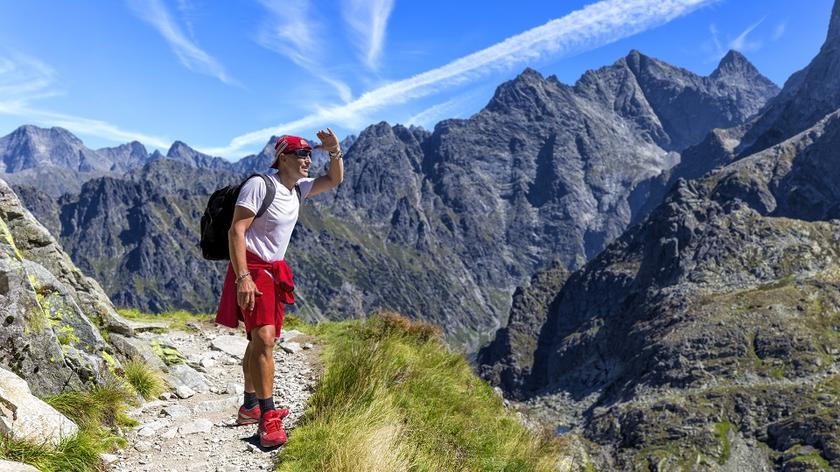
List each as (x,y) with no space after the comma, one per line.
(302,153)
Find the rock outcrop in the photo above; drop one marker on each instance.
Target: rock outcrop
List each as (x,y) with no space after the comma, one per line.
(507,361)
(25,416)
(53,315)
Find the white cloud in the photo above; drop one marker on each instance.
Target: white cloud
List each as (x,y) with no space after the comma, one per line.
(290,31)
(451,108)
(187,11)
(83,126)
(24,80)
(188,53)
(742,43)
(779,31)
(716,50)
(592,26)
(368,21)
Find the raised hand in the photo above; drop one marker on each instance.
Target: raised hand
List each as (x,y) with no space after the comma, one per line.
(329,140)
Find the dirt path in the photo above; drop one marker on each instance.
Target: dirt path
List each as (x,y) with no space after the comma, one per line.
(197,433)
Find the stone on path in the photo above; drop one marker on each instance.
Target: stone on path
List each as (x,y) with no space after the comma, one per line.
(143,446)
(184,392)
(146,432)
(176,411)
(291,348)
(22,415)
(182,374)
(9,466)
(234,389)
(152,427)
(290,334)
(202,425)
(231,345)
(211,406)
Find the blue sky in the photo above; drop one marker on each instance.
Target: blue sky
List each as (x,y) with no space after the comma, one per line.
(224,76)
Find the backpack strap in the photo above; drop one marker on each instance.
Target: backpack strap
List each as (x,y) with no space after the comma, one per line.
(270,191)
(297,191)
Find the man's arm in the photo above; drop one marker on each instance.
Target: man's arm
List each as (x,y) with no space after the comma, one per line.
(330,180)
(335,174)
(246,290)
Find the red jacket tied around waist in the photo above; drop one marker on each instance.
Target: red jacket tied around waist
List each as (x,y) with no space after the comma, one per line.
(273,279)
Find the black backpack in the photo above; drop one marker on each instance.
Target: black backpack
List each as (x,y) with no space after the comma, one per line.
(218,216)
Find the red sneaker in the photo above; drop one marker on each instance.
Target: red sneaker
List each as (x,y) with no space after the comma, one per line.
(271,428)
(249,416)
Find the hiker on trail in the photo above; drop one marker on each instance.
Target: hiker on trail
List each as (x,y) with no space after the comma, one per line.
(259,282)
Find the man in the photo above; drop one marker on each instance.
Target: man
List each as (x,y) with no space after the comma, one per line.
(258,282)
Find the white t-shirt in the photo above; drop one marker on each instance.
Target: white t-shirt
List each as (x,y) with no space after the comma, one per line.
(269,235)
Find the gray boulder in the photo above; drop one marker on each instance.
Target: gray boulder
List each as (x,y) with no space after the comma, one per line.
(24,416)
(9,466)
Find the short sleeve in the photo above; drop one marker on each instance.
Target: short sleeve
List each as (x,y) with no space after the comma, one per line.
(252,194)
(305,185)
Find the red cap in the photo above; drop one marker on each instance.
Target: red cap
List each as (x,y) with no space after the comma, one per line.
(288,144)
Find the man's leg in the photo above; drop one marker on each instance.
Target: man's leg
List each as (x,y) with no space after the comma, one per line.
(248,413)
(246,370)
(261,362)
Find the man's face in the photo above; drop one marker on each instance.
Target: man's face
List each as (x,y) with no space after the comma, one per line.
(296,165)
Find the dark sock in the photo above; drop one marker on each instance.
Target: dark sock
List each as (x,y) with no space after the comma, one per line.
(250,400)
(266,404)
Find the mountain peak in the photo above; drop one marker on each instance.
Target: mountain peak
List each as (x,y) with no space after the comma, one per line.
(180,149)
(52,133)
(733,58)
(633,59)
(634,54)
(735,64)
(528,75)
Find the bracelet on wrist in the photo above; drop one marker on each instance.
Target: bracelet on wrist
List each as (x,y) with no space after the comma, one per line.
(242,276)
(336,154)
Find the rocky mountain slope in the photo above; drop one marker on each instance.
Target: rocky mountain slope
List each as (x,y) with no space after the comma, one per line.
(550,170)
(708,333)
(58,324)
(48,338)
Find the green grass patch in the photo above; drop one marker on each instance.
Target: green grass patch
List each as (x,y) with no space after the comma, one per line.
(144,380)
(178,319)
(394,398)
(97,412)
(722,434)
(100,407)
(79,452)
(291,321)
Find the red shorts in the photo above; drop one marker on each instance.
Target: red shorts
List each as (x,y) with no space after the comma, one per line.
(267,310)
(274,281)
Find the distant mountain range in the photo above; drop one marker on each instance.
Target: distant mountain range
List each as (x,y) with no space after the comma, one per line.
(440,225)
(707,336)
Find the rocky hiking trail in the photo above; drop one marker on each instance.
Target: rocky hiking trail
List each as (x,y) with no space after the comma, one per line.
(191,427)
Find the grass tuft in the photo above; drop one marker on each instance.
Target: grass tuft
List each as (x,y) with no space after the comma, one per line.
(79,452)
(394,398)
(101,406)
(144,380)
